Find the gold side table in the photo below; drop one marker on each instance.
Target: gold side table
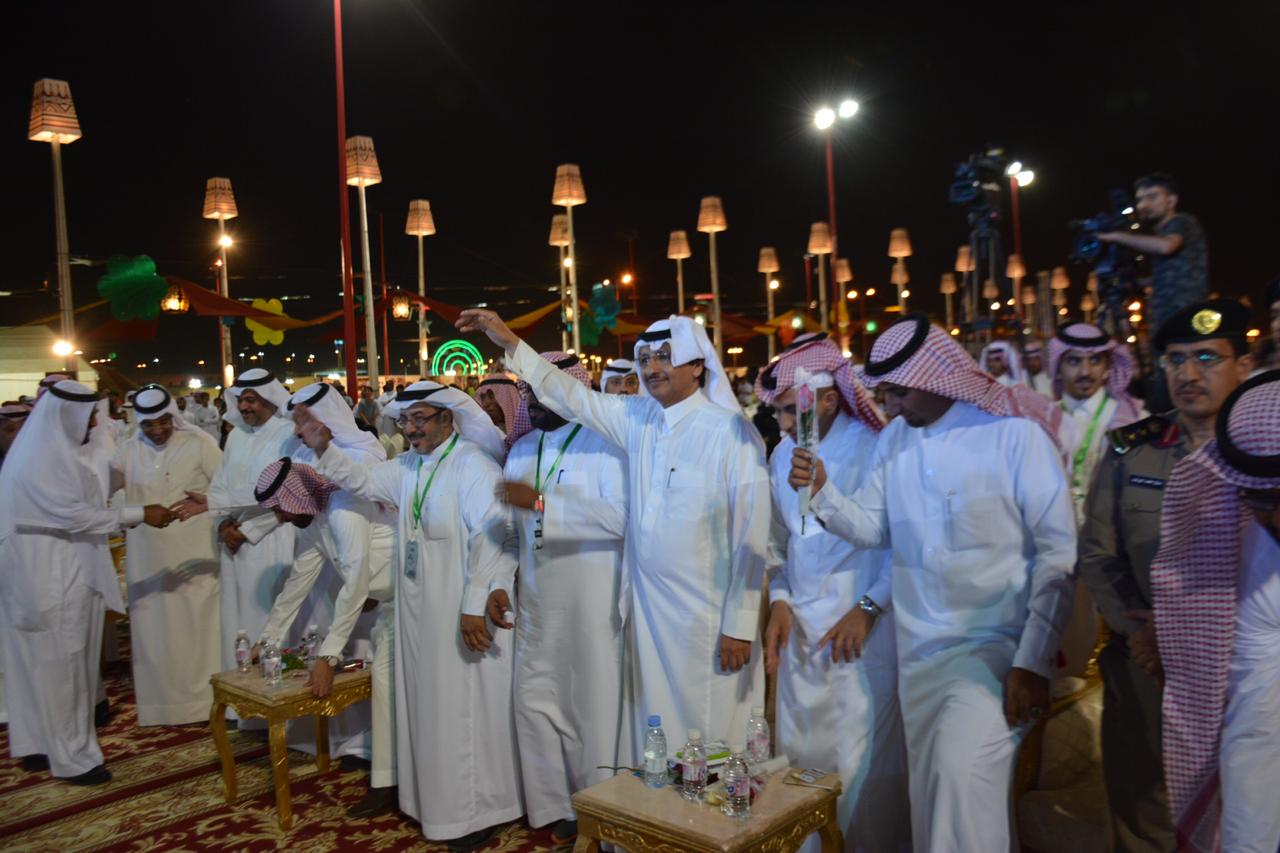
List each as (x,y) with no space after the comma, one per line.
(626,812)
(249,695)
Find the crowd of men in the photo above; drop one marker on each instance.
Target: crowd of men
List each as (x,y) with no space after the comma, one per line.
(536,569)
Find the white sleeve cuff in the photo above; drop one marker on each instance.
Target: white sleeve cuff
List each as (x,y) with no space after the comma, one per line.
(132,515)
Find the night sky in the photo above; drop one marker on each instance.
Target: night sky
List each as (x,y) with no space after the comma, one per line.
(473,104)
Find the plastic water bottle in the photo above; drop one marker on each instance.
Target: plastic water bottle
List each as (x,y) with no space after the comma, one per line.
(693,767)
(244,651)
(271,664)
(655,753)
(311,643)
(759,747)
(737,783)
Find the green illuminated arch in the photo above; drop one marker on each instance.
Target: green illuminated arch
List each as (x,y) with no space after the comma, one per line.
(457,355)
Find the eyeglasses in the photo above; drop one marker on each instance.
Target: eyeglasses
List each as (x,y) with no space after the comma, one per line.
(1258,500)
(418,421)
(1204,359)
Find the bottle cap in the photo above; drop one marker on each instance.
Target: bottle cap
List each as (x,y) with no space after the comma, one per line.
(757,711)
(312,628)
(695,734)
(242,632)
(737,747)
(654,720)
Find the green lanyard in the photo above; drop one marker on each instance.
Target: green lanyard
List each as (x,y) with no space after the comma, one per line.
(1077,465)
(420,497)
(537,475)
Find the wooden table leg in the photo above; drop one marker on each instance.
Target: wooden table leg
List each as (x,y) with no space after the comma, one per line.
(830,835)
(588,840)
(280,771)
(322,743)
(218,726)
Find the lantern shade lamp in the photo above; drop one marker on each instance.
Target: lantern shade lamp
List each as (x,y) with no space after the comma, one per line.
(711,215)
(1092,284)
(53,113)
(948,285)
(844,273)
(819,239)
(989,289)
(1028,295)
(568,190)
(362,162)
(678,246)
(175,301)
(420,222)
(400,306)
(899,243)
(768,260)
(1060,281)
(899,275)
(1059,298)
(964,260)
(1014,268)
(1088,303)
(219,200)
(559,235)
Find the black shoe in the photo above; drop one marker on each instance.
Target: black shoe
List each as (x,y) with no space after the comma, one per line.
(378,801)
(565,832)
(99,775)
(102,713)
(348,763)
(35,763)
(473,840)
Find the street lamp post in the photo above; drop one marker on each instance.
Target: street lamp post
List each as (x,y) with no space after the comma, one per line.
(711,221)
(678,250)
(344,207)
(559,238)
(220,204)
(568,193)
(53,120)
(421,224)
(824,119)
(900,250)
(1018,177)
(820,244)
(768,265)
(948,290)
(843,276)
(363,171)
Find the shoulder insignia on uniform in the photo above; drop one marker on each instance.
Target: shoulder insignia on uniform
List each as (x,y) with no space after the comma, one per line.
(1147,430)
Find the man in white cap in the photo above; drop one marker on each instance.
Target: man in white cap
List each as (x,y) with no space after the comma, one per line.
(967,490)
(1037,377)
(56,581)
(1091,375)
(569,487)
(1001,360)
(455,743)
(1216,585)
(620,377)
(172,574)
(257,550)
(830,638)
(356,536)
(698,525)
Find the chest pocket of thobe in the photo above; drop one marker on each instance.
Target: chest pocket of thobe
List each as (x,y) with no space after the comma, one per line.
(566,494)
(440,517)
(686,507)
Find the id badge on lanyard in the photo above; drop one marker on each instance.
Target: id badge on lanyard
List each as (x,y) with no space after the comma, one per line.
(411,559)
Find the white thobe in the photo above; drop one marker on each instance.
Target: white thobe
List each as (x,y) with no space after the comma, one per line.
(455,735)
(977,513)
(1006,379)
(208,419)
(1042,384)
(1249,757)
(55,586)
(842,717)
(696,543)
(569,641)
(172,577)
(253,576)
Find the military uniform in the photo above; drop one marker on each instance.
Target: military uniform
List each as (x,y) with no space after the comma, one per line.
(1118,541)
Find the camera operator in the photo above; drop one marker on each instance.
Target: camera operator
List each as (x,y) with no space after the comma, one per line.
(1178,249)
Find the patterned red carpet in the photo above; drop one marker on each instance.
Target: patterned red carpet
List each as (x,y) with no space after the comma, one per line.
(166,795)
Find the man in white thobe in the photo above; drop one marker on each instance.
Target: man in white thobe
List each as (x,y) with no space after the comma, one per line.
(569,487)
(207,417)
(56,582)
(1216,590)
(830,641)
(1001,360)
(455,734)
(256,549)
(172,574)
(698,526)
(620,377)
(1037,377)
(967,490)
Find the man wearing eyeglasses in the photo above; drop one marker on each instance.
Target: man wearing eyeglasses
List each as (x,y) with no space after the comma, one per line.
(1204,355)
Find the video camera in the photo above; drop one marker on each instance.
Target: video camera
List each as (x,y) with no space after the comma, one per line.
(1088,249)
(979,179)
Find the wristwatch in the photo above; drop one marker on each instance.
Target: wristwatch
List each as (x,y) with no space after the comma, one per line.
(866,605)
(333,660)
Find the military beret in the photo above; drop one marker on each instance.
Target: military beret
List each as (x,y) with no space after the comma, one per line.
(1203,321)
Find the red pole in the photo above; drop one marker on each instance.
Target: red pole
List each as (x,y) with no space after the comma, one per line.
(831,214)
(348,284)
(386,306)
(808,282)
(1017,219)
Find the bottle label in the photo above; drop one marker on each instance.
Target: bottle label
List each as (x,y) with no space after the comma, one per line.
(759,745)
(694,772)
(737,787)
(655,764)
(242,657)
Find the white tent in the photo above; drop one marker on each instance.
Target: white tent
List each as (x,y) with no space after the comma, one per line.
(26,357)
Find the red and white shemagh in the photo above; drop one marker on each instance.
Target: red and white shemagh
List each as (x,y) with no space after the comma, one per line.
(1119,376)
(508,398)
(941,366)
(820,356)
(1194,586)
(571,366)
(293,487)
